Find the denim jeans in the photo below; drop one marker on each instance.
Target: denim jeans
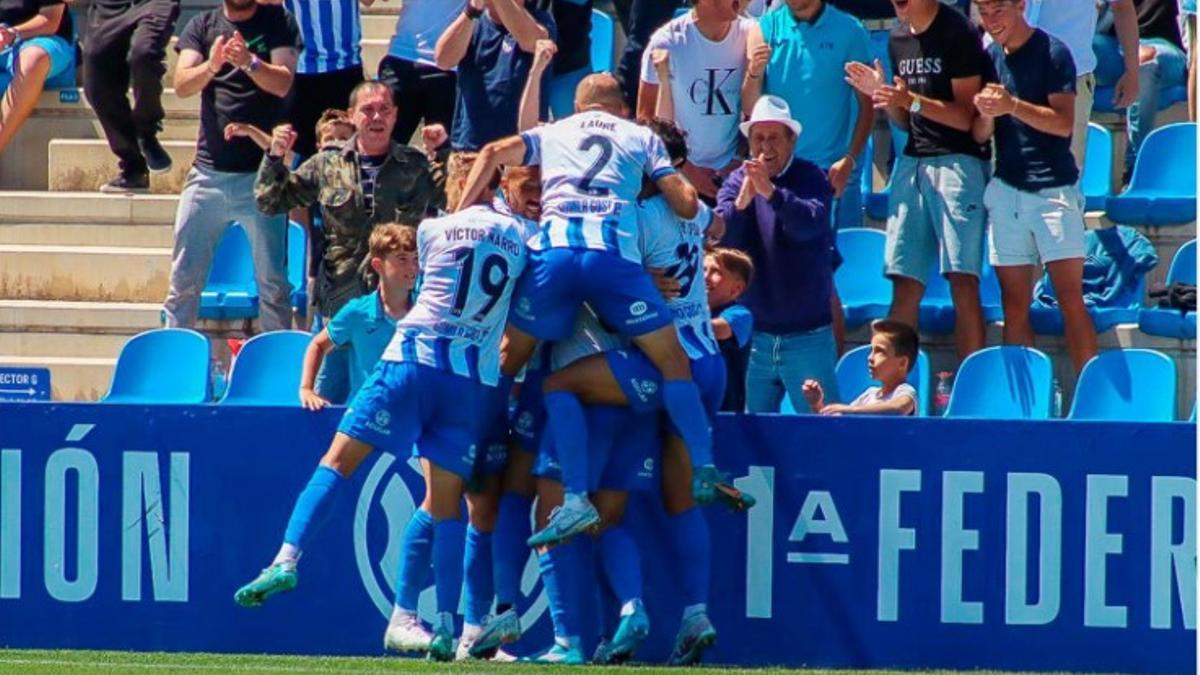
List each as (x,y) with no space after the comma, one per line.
(1167,69)
(210,202)
(781,363)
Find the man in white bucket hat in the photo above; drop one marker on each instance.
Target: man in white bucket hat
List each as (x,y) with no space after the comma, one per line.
(776,208)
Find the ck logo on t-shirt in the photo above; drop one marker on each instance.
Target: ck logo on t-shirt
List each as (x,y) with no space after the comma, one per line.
(708,91)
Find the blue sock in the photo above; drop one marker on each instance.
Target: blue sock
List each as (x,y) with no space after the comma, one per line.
(688,532)
(622,563)
(312,506)
(568,428)
(509,550)
(682,401)
(477,567)
(448,543)
(554,596)
(414,560)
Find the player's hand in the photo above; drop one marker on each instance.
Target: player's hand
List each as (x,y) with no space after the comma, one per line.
(760,56)
(216,54)
(864,78)
(236,51)
(543,52)
(813,394)
(661,60)
(667,285)
(432,138)
(283,137)
(310,400)
(839,175)
(895,95)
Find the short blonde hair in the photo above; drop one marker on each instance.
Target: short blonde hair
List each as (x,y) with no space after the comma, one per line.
(458,167)
(388,238)
(332,117)
(735,261)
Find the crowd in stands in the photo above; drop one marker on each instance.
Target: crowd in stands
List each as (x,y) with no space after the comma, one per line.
(778,99)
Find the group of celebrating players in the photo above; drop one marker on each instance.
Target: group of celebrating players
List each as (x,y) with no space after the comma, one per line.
(556,289)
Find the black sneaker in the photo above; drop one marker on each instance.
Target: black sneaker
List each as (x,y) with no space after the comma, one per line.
(124,184)
(156,156)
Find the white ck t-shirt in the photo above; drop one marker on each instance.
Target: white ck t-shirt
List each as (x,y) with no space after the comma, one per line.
(875,395)
(706,85)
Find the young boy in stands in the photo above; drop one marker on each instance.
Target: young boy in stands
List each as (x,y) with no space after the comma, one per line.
(727,273)
(894,348)
(366,324)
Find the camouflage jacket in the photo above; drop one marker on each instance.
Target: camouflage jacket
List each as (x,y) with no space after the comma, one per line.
(407,189)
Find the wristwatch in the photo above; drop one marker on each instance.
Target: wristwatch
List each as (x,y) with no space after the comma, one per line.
(472,13)
(915,106)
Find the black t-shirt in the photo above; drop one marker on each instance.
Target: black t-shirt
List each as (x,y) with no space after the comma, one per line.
(232,96)
(574,22)
(16,12)
(949,49)
(1158,19)
(866,9)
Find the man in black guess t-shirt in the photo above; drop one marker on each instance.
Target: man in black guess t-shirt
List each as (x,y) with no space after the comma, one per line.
(936,218)
(240,58)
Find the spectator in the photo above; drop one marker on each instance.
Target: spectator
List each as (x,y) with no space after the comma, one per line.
(573,60)
(127,45)
(894,349)
(1074,23)
(35,45)
(491,42)
(801,57)
(410,67)
(705,53)
(240,57)
(333,129)
(1162,65)
(639,19)
(1035,208)
(367,323)
(776,208)
(371,180)
(727,273)
(936,203)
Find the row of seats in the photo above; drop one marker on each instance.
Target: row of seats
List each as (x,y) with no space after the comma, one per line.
(231,291)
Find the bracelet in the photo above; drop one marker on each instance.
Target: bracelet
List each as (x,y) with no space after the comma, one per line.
(472,13)
(255,62)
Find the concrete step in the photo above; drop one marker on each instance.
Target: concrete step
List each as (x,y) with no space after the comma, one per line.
(73,316)
(378,26)
(86,208)
(108,273)
(88,345)
(85,165)
(72,378)
(99,234)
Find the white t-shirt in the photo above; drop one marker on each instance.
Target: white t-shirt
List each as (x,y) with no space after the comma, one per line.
(706,85)
(1073,22)
(875,395)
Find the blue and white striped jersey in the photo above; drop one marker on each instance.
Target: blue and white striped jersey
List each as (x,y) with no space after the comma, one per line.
(332,31)
(592,167)
(470,262)
(677,246)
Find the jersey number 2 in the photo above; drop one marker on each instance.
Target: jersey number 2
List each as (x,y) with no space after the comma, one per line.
(606,153)
(493,279)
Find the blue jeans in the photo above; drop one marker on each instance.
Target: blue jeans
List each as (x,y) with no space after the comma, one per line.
(210,202)
(781,363)
(1167,69)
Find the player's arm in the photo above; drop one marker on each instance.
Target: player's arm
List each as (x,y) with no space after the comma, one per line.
(318,347)
(680,195)
(511,150)
(531,97)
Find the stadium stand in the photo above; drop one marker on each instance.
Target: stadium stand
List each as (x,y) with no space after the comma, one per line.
(1006,382)
(1162,190)
(604,35)
(876,203)
(1132,385)
(267,370)
(853,377)
(167,365)
(297,262)
(1098,168)
(937,307)
(864,291)
(231,292)
(1169,322)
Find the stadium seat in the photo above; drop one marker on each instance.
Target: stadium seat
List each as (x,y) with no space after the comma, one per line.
(1192,418)
(1129,385)
(167,365)
(267,370)
(865,292)
(853,377)
(603,36)
(297,264)
(876,203)
(937,313)
(1006,382)
(231,292)
(1173,323)
(1162,190)
(1097,168)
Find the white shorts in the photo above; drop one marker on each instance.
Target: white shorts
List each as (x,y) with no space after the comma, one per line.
(1028,226)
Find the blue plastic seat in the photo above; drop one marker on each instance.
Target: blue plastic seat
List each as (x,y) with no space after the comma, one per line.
(1097,168)
(1131,385)
(1166,322)
(876,203)
(853,376)
(604,35)
(168,365)
(297,265)
(936,313)
(865,292)
(1006,382)
(231,291)
(267,370)
(1162,190)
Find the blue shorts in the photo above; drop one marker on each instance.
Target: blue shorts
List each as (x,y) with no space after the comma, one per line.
(557,281)
(402,404)
(61,53)
(493,453)
(622,447)
(529,418)
(642,382)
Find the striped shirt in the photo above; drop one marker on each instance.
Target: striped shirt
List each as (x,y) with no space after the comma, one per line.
(677,246)
(470,262)
(332,31)
(592,166)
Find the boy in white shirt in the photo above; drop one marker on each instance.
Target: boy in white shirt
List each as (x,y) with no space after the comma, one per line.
(894,347)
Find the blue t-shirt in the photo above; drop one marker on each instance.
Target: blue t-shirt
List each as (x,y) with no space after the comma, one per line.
(736,352)
(807,69)
(365,326)
(491,77)
(741,321)
(1026,158)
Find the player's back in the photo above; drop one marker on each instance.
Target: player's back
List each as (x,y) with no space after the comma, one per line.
(592,166)
(677,246)
(470,261)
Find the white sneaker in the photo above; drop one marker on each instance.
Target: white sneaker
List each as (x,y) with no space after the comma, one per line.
(407,634)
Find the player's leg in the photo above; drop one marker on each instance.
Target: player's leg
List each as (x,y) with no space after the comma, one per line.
(443,493)
(483,498)
(561,569)
(622,568)
(544,305)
